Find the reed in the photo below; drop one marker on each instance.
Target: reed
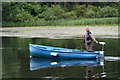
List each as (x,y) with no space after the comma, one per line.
(94,21)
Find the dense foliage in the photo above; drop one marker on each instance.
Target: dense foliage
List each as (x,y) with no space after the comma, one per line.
(42,13)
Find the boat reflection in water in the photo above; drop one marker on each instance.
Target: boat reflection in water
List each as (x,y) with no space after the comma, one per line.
(39,63)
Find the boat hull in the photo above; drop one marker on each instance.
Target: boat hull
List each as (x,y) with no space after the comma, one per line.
(62,53)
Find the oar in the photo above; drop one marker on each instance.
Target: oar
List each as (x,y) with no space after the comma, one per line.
(102,43)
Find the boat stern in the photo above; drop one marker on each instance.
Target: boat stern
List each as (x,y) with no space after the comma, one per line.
(102,54)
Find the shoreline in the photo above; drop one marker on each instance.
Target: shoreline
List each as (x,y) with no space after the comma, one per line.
(59,32)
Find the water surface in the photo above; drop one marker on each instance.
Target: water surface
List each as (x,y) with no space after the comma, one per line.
(16,61)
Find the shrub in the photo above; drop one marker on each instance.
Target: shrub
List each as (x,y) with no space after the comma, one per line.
(52,13)
(80,10)
(69,15)
(91,11)
(108,12)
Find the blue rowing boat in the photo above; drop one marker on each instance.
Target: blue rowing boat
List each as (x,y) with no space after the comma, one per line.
(62,53)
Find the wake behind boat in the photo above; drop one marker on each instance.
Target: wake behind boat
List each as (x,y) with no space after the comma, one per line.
(62,53)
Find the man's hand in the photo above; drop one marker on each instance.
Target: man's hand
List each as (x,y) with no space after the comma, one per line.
(97,42)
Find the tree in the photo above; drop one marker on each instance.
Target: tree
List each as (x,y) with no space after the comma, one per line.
(108,12)
(91,11)
(17,12)
(52,13)
(80,10)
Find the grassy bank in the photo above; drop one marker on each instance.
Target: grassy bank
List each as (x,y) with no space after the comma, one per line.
(95,21)
(106,25)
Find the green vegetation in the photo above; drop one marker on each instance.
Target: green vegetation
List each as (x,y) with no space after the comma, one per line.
(60,14)
(95,21)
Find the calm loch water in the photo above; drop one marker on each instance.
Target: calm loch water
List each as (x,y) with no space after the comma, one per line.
(16,62)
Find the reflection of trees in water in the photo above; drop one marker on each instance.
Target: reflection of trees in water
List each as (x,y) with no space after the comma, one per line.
(89,73)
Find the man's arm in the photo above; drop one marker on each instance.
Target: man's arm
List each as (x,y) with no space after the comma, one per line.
(92,37)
